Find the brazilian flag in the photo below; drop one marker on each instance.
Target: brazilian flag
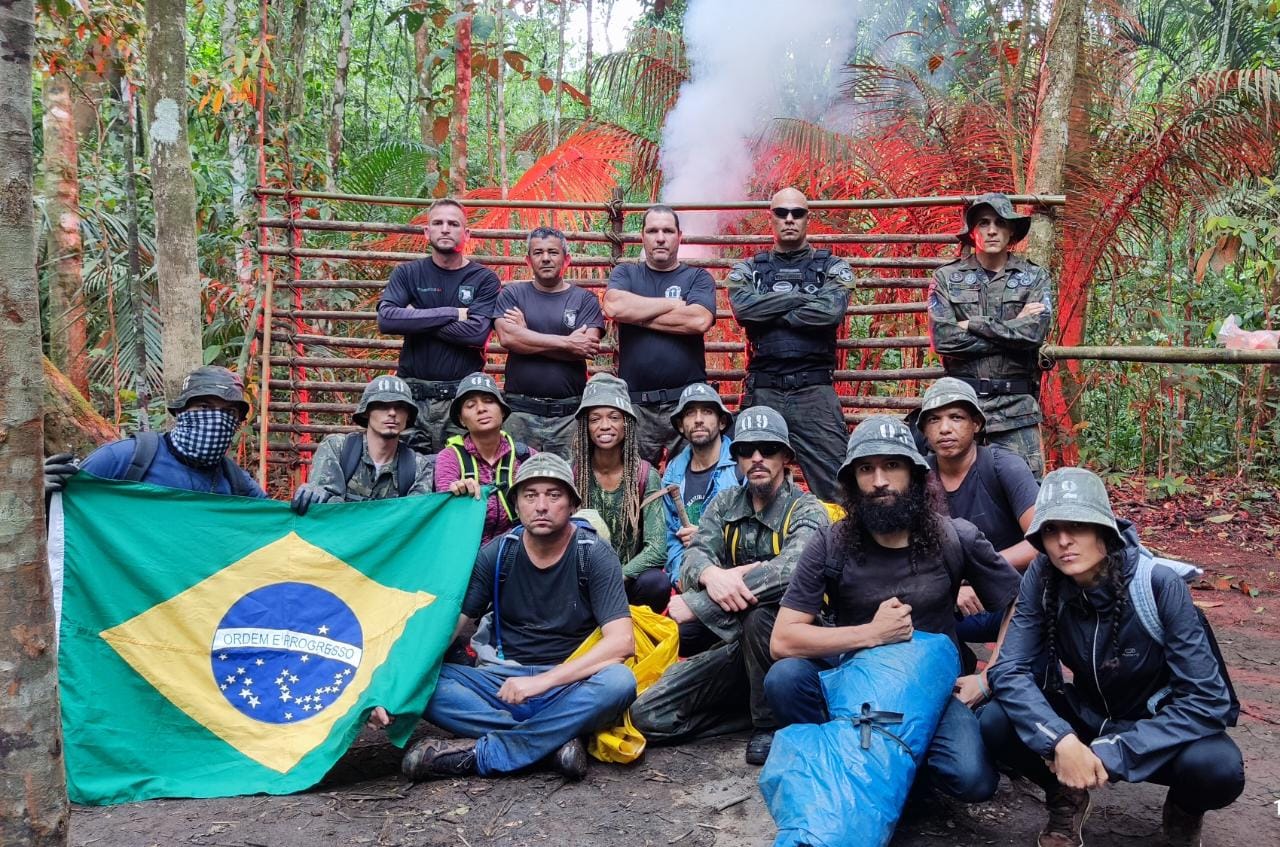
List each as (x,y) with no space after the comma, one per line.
(213,645)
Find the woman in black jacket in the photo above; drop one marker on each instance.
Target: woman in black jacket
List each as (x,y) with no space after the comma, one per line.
(1140,707)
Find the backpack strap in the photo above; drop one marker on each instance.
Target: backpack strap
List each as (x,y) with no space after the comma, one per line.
(501,568)
(235,477)
(815,273)
(406,468)
(145,446)
(952,552)
(349,459)
(1142,598)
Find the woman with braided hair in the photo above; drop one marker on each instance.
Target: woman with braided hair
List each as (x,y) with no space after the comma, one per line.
(1148,701)
(615,481)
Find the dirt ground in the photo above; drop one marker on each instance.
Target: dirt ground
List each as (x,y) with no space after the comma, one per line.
(704,794)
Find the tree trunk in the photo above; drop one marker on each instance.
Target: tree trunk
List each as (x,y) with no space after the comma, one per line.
(237,152)
(559,99)
(71,424)
(295,97)
(426,80)
(33,794)
(500,96)
(461,104)
(340,90)
(68,333)
(173,191)
(586,81)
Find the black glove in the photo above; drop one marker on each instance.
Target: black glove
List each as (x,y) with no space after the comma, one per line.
(57,470)
(305,496)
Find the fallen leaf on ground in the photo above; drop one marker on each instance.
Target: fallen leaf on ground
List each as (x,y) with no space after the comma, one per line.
(1204,604)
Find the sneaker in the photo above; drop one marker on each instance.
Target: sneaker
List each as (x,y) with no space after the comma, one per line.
(432,758)
(571,760)
(1181,829)
(1068,809)
(758,747)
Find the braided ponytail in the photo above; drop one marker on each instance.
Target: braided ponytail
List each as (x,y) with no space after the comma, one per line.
(1053,672)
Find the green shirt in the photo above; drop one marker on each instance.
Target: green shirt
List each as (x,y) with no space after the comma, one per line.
(651,551)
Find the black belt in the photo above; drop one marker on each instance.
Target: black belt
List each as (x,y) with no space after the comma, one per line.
(425,389)
(657,395)
(798,380)
(1001,387)
(543,407)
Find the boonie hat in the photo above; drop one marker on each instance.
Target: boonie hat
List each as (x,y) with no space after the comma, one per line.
(762,425)
(607,390)
(700,392)
(947,391)
(881,435)
(1001,205)
(385,389)
(545,466)
(1071,494)
(476,383)
(211,381)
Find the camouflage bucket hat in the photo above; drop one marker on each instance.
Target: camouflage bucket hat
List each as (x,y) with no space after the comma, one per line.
(211,381)
(385,389)
(700,392)
(607,390)
(881,435)
(762,425)
(476,383)
(1001,205)
(1071,494)
(948,391)
(545,466)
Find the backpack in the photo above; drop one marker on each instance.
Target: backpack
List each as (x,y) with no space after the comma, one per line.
(145,446)
(503,474)
(583,538)
(731,535)
(353,450)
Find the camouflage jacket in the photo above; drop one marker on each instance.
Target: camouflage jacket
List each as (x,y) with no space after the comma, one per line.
(368,482)
(776,537)
(997,344)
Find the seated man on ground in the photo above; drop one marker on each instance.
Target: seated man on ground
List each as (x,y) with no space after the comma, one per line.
(369,465)
(892,565)
(523,702)
(734,574)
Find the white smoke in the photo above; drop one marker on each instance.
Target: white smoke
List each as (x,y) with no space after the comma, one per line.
(751,61)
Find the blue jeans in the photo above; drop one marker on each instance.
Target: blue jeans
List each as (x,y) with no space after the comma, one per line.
(510,737)
(982,628)
(956,759)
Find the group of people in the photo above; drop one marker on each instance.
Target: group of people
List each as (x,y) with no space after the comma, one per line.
(644,489)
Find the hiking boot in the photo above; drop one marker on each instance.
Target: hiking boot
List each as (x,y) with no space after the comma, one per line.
(1068,809)
(1181,829)
(758,746)
(432,758)
(571,760)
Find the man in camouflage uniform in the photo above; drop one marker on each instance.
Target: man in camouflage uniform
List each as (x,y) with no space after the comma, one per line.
(733,578)
(989,314)
(374,464)
(792,301)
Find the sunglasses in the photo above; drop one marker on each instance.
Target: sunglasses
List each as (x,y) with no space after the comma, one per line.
(766,449)
(783,212)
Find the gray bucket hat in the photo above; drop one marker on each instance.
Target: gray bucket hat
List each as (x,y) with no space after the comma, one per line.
(700,392)
(385,389)
(607,390)
(947,391)
(211,381)
(545,466)
(1071,494)
(476,383)
(1001,205)
(762,425)
(881,435)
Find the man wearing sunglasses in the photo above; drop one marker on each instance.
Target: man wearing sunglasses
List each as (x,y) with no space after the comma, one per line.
(733,578)
(792,301)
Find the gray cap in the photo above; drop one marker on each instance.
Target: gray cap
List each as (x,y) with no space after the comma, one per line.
(607,390)
(947,391)
(1001,205)
(1071,494)
(545,466)
(211,381)
(762,425)
(385,389)
(476,383)
(881,435)
(700,392)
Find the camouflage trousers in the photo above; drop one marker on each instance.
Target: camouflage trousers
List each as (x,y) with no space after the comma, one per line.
(551,434)
(1025,441)
(432,427)
(704,695)
(818,432)
(657,437)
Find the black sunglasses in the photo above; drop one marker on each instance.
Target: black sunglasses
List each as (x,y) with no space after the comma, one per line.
(768,449)
(781,213)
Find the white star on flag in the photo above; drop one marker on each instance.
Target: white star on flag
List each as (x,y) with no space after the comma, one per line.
(244,692)
(324,630)
(254,701)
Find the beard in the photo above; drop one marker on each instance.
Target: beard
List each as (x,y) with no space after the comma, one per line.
(762,490)
(885,514)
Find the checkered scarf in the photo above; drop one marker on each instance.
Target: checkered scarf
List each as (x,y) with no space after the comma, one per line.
(201,436)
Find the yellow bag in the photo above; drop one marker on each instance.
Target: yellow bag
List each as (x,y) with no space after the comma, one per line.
(657,646)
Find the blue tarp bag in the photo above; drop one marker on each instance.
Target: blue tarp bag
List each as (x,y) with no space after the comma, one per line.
(844,783)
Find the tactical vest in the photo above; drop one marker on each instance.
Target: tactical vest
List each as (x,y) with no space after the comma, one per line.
(775,341)
(503,473)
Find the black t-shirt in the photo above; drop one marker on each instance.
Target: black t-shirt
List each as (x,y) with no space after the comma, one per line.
(560,313)
(997,489)
(544,615)
(696,484)
(648,359)
(885,573)
(436,345)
